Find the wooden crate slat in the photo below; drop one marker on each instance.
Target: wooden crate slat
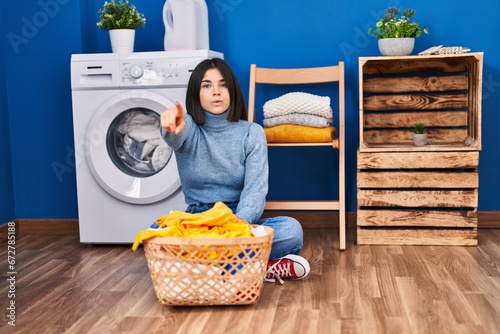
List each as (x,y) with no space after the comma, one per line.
(432,64)
(392,236)
(475,101)
(416,160)
(416,218)
(417,198)
(399,179)
(466,145)
(415,84)
(411,101)
(397,136)
(408,119)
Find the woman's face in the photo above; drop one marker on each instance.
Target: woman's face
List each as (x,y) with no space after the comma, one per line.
(214,95)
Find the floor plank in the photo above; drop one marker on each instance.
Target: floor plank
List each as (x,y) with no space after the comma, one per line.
(64,287)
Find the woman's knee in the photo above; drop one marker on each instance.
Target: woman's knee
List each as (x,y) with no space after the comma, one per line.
(288,235)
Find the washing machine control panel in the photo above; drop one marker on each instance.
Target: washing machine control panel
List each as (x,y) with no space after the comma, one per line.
(154,73)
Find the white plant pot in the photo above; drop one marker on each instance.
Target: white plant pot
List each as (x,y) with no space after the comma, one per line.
(396,46)
(420,139)
(122,40)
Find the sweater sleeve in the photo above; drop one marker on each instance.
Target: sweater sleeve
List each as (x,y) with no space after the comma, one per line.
(253,197)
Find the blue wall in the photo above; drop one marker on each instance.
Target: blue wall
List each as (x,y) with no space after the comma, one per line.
(37,174)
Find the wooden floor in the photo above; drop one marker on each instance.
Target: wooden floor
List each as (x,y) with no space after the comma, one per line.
(64,287)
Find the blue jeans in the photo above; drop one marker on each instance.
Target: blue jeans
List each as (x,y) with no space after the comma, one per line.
(288,234)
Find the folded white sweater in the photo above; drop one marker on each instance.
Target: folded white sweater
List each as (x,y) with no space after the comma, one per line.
(298,102)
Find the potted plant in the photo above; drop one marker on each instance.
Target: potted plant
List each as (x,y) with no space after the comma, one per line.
(121,19)
(396,36)
(419,134)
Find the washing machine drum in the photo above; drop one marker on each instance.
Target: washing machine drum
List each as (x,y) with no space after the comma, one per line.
(125,151)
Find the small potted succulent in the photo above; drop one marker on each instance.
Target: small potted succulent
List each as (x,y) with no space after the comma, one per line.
(396,36)
(121,19)
(419,134)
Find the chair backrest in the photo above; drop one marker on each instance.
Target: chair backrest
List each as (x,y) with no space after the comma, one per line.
(290,76)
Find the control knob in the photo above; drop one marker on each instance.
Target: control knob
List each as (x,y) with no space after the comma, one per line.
(136,72)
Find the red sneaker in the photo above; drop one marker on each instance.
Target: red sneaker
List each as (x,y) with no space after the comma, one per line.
(288,267)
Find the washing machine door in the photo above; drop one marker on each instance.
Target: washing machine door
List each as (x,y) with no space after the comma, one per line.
(125,151)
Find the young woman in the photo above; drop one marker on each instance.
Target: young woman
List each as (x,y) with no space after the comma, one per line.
(223,157)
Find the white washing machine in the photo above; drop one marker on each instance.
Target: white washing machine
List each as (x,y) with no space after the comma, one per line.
(126,174)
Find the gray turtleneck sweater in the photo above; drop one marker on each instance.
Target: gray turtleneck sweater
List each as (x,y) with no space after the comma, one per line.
(223,161)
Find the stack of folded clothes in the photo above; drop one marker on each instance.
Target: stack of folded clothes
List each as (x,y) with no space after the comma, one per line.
(298,118)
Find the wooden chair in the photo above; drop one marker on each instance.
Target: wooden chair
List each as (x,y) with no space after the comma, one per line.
(314,75)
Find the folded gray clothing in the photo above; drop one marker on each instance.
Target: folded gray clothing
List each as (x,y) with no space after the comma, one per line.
(299,119)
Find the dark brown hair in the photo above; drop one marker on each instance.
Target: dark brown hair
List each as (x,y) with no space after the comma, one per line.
(237,107)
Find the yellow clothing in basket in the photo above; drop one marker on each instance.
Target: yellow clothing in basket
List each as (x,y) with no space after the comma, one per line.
(292,133)
(217,222)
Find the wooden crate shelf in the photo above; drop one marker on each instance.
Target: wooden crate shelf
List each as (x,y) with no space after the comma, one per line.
(442,91)
(417,198)
(419,195)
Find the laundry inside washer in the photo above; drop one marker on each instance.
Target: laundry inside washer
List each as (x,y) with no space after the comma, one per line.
(135,144)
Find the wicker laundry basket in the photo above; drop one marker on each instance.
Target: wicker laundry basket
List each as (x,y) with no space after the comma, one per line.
(208,271)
